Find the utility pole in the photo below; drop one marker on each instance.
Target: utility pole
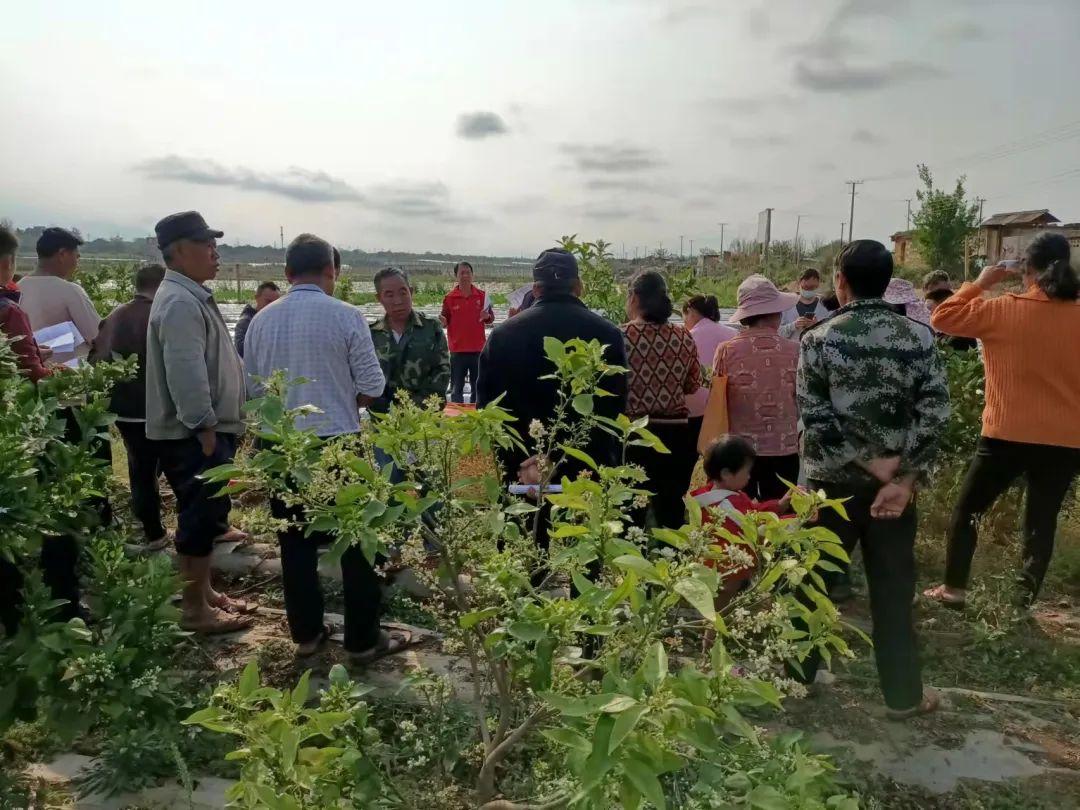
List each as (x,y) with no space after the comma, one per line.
(851,216)
(768,234)
(980,201)
(691,248)
(798,249)
(721,224)
(842,224)
(281,229)
(908,213)
(681,254)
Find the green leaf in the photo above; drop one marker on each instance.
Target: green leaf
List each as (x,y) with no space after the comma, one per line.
(655,666)
(624,724)
(303,688)
(249,680)
(470,620)
(698,595)
(526,631)
(642,777)
(618,703)
(583,404)
(569,738)
(581,456)
(638,564)
(766,797)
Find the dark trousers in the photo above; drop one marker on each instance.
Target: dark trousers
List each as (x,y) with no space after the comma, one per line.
(462,365)
(669,473)
(1048,472)
(200,511)
(303,593)
(765,483)
(888,548)
(59,556)
(144,469)
(59,571)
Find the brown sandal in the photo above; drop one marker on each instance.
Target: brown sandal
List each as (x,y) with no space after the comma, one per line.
(940,595)
(390,642)
(237,607)
(233,535)
(930,703)
(221,623)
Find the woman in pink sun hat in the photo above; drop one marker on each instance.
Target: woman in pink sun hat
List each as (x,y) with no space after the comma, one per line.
(760,368)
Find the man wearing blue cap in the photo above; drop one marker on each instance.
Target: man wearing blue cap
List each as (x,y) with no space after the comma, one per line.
(195,393)
(513,363)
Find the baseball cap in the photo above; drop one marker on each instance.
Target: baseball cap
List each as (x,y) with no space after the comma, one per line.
(54,239)
(184,225)
(555,266)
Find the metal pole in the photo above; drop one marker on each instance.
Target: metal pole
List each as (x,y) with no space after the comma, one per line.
(851,216)
(908,214)
(798,251)
(722,224)
(842,224)
(681,254)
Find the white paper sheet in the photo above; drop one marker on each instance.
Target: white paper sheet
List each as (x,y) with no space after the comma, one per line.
(517,297)
(62,338)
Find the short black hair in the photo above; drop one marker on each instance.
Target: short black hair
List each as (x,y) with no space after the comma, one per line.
(939,295)
(9,242)
(149,277)
(461,264)
(308,255)
(935,277)
(868,267)
(810,273)
(53,240)
(390,272)
(730,453)
(652,294)
(753,320)
(267,285)
(1050,257)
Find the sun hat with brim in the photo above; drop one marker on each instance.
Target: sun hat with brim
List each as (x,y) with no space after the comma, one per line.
(759,296)
(902,292)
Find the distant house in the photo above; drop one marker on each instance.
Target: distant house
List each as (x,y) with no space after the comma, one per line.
(708,263)
(1005,236)
(905,252)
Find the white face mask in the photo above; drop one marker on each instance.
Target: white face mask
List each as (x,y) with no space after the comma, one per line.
(809,295)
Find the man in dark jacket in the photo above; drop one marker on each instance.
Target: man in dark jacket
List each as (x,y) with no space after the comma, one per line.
(513,360)
(265,294)
(122,334)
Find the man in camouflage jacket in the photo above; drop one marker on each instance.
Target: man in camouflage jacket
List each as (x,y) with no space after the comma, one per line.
(874,402)
(411,346)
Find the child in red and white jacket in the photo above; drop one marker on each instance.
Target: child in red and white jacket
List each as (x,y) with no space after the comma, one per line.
(728,462)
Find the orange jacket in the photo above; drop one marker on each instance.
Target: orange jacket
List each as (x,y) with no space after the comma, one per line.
(1032,365)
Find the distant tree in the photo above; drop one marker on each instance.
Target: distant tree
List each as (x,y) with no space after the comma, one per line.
(942,223)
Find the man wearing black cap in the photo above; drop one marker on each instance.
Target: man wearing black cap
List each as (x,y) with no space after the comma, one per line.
(514,363)
(50,297)
(194,395)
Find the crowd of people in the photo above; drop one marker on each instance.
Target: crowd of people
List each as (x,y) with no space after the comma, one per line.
(845,393)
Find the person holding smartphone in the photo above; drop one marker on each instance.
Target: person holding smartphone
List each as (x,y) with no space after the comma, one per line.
(1029,425)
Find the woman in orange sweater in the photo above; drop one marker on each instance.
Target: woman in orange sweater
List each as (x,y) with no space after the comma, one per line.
(1030,421)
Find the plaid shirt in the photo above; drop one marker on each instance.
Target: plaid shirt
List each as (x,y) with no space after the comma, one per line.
(313,335)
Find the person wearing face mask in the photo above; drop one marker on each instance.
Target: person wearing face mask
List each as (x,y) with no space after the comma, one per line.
(808,310)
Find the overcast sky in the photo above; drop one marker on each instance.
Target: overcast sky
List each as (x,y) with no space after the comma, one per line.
(495,126)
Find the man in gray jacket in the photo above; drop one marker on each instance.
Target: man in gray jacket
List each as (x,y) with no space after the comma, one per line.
(194,395)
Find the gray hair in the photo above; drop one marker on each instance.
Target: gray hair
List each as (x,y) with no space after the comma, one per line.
(390,272)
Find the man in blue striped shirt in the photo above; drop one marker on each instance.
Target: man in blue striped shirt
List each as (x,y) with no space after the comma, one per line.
(313,335)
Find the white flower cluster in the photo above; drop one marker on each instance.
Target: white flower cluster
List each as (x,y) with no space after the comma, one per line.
(537,429)
(94,670)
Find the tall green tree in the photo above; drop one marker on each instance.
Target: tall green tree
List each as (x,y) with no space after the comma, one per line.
(942,223)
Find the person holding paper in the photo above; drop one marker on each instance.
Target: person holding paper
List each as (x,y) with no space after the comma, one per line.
(50,297)
(466,312)
(194,399)
(14,324)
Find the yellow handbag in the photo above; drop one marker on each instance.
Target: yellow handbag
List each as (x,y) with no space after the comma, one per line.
(714,423)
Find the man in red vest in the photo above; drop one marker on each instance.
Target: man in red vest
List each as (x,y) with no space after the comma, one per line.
(466,312)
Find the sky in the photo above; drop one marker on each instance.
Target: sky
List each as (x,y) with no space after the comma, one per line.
(497,126)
